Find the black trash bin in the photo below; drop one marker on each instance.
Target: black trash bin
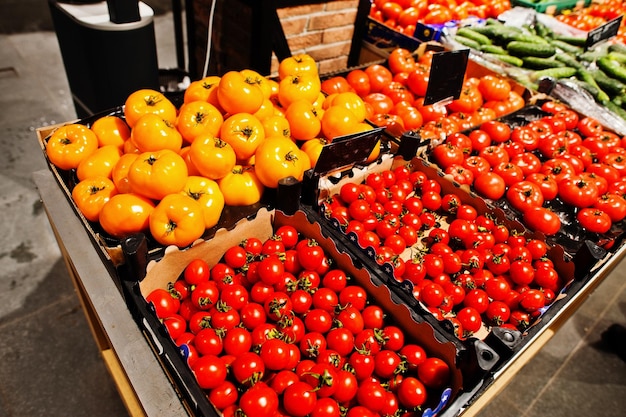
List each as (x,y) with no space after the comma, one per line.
(105,61)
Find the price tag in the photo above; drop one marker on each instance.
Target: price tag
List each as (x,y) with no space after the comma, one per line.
(604,32)
(446,77)
(347,150)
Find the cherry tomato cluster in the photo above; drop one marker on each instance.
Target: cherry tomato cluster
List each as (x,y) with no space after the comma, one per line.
(403,15)
(464,266)
(596,14)
(557,157)
(394,95)
(274,329)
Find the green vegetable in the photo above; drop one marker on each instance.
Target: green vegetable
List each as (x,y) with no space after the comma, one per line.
(615,108)
(473,35)
(520,49)
(598,93)
(566,47)
(511,60)
(493,49)
(562,72)
(617,47)
(572,40)
(617,56)
(525,37)
(569,61)
(470,43)
(612,68)
(535,62)
(543,30)
(610,85)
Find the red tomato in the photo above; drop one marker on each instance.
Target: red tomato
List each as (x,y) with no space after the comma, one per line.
(524,194)
(542,220)
(490,185)
(594,220)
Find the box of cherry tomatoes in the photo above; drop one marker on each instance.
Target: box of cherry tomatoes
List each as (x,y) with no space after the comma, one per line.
(277,316)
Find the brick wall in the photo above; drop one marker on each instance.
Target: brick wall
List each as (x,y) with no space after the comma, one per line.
(322,30)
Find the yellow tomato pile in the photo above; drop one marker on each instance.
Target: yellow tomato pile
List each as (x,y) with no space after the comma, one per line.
(171,171)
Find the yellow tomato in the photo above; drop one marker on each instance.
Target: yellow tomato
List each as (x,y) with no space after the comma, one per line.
(152,133)
(91,194)
(244,132)
(177,220)
(130,147)
(111,130)
(241,186)
(296,87)
(146,101)
(157,174)
(273,84)
(212,156)
(375,153)
(276,125)
(318,104)
(313,149)
(70,144)
(253,77)
(206,192)
(238,95)
(197,117)
(277,158)
(203,90)
(100,163)
(191,168)
(338,121)
(119,175)
(303,120)
(126,214)
(297,64)
(352,102)
(266,110)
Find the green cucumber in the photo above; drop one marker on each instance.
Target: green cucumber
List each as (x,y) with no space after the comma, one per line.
(493,49)
(473,35)
(592,90)
(615,108)
(543,30)
(566,47)
(561,72)
(535,62)
(584,75)
(612,68)
(569,61)
(509,59)
(617,47)
(617,56)
(572,40)
(612,86)
(525,37)
(521,49)
(470,43)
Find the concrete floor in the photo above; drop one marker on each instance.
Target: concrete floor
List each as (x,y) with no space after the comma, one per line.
(49,363)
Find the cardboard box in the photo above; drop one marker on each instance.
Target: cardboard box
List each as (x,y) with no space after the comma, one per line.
(468,366)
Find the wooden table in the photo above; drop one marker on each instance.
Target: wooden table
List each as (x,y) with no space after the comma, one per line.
(143,385)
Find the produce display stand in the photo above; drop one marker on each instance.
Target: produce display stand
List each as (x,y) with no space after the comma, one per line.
(146,388)
(149,371)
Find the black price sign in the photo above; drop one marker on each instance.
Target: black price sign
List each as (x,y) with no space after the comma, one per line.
(604,32)
(347,150)
(447,74)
